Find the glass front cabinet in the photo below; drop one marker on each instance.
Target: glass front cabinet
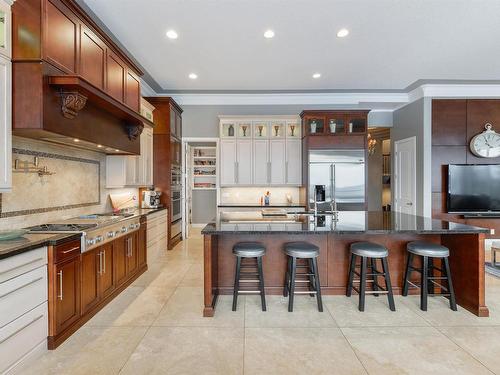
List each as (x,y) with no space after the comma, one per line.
(317,123)
(5,48)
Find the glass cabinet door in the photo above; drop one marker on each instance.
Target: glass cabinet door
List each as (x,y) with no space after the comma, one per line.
(277,129)
(357,125)
(228,130)
(4,28)
(292,129)
(315,125)
(336,125)
(245,130)
(260,130)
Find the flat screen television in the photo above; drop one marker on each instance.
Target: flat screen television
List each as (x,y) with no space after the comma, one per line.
(473,188)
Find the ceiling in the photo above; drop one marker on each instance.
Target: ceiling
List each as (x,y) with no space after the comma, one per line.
(392,43)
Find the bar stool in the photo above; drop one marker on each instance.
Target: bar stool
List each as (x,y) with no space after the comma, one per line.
(309,253)
(249,250)
(369,251)
(429,251)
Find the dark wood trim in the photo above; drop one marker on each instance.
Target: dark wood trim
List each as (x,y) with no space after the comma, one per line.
(210,280)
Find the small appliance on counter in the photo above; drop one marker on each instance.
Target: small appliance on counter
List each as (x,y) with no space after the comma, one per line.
(151,199)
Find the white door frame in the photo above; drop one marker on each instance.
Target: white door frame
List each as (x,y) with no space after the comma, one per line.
(186,140)
(413,140)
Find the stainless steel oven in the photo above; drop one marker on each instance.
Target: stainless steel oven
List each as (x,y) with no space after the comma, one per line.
(176,203)
(176,175)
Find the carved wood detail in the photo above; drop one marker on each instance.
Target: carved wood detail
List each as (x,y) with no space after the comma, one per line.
(72,103)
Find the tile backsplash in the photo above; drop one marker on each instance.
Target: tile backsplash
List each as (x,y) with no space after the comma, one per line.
(76,188)
(251,195)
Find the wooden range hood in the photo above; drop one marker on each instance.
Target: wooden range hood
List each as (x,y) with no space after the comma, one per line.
(71,83)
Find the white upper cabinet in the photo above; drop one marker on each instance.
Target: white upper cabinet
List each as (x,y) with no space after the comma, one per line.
(227,162)
(5,29)
(277,173)
(261,162)
(260,151)
(244,161)
(5,124)
(293,168)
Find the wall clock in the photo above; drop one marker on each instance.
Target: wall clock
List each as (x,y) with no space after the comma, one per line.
(486,144)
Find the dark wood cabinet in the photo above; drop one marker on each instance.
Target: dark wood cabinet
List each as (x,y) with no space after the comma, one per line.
(120,254)
(60,36)
(115,75)
(90,270)
(66,281)
(92,57)
(131,244)
(132,91)
(167,136)
(106,279)
(338,123)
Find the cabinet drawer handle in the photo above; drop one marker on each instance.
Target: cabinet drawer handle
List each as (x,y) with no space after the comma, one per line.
(22,286)
(60,274)
(100,263)
(104,261)
(21,265)
(20,329)
(70,250)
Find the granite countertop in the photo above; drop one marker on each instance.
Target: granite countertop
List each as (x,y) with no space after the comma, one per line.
(256,205)
(349,222)
(31,241)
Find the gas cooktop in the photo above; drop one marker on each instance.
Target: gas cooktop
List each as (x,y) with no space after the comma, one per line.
(61,227)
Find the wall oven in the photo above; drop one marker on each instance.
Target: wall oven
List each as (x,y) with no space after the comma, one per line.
(176,203)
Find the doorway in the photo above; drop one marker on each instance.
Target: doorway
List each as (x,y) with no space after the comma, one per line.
(200,193)
(379,169)
(405,177)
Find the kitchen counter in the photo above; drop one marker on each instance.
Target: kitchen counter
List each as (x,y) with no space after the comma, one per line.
(348,222)
(334,236)
(255,205)
(33,241)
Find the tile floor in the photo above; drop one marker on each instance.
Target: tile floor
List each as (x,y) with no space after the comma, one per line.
(156,327)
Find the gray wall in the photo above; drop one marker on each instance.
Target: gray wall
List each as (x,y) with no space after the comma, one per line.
(374,195)
(203,120)
(413,120)
(203,206)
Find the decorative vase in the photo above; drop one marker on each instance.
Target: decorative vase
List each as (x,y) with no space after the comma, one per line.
(313,126)
(244,128)
(230,131)
(333,127)
(292,130)
(261,127)
(276,130)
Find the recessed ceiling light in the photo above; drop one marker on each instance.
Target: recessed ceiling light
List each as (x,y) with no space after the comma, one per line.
(316,75)
(342,33)
(193,75)
(99,146)
(76,140)
(117,150)
(172,34)
(269,34)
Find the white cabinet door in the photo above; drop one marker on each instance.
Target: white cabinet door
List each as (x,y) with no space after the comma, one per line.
(244,162)
(131,170)
(116,172)
(227,162)
(277,162)
(148,157)
(294,162)
(5,125)
(5,29)
(260,162)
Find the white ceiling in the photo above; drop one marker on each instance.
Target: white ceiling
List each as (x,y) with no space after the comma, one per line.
(392,43)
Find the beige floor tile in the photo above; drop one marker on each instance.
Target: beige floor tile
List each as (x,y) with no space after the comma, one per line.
(141,310)
(410,350)
(178,350)
(185,307)
(483,343)
(377,313)
(305,313)
(167,274)
(91,350)
(299,351)
(193,276)
(439,313)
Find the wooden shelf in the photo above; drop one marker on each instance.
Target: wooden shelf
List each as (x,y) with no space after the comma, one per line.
(71,84)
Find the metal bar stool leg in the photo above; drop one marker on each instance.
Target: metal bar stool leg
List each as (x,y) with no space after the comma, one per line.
(362,285)
(423,283)
(373,265)
(388,285)
(317,283)
(453,303)
(407,274)
(236,282)
(261,284)
(351,275)
(292,284)
(310,270)
(430,273)
(286,288)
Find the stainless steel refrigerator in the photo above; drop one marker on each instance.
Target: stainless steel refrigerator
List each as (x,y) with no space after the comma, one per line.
(341,174)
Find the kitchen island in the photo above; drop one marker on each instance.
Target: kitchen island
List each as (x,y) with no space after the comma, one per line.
(333,234)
